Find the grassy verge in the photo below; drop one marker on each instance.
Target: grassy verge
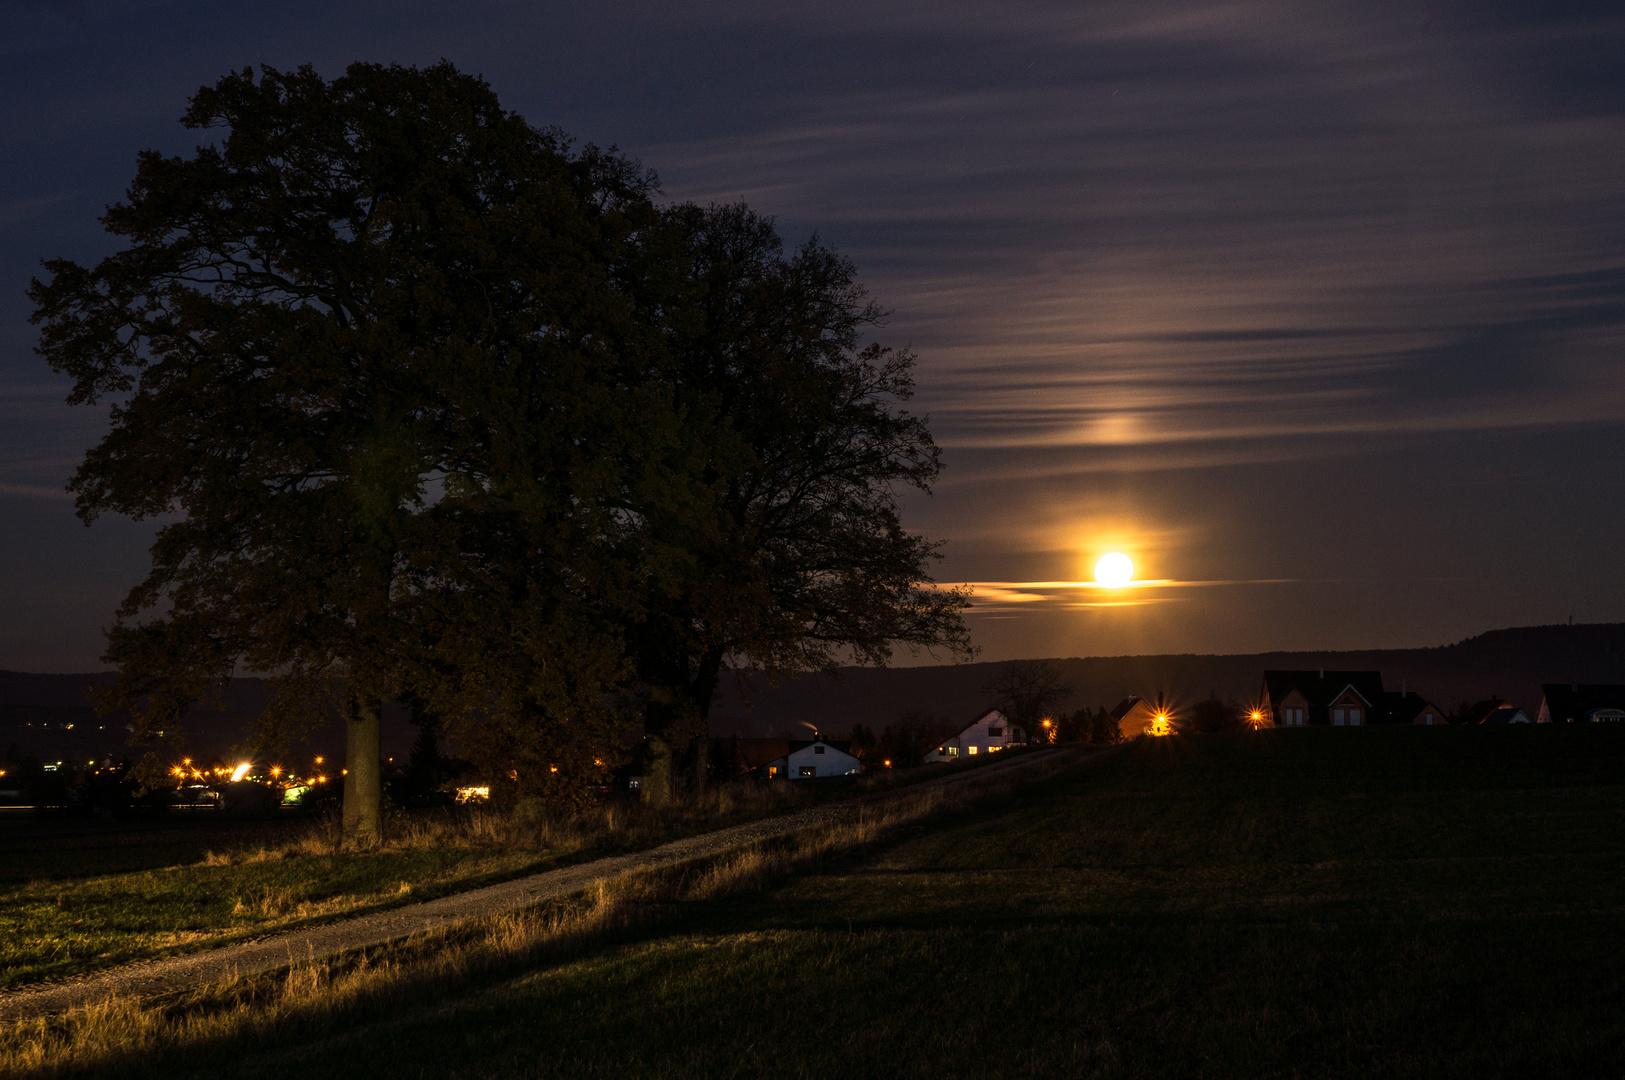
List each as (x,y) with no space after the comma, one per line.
(211,1028)
(63,924)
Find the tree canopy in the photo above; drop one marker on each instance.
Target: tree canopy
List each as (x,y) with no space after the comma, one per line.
(796,558)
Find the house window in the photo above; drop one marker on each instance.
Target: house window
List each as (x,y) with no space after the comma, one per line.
(809,770)
(970,749)
(995,732)
(1354,717)
(772,770)
(1337,718)
(1427,718)
(819,749)
(1603,716)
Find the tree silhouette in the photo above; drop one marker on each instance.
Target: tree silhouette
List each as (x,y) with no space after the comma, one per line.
(1027,691)
(795,559)
(317,346)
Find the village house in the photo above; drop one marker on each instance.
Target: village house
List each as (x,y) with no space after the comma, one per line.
(1324,698)
(987,734)
(811,759)
(1405,707)
(1136,716)
(1581,703)
(1507,714)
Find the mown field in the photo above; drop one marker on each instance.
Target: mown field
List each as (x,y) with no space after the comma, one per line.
(1374,902)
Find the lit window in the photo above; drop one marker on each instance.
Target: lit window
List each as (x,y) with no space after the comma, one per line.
(970,749)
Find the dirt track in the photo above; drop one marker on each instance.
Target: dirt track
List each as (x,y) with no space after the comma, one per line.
(281,950)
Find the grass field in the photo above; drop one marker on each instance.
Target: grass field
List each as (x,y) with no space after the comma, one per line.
(1375,902)
(1381,902)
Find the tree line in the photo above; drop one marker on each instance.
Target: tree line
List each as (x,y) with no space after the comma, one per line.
(430,404)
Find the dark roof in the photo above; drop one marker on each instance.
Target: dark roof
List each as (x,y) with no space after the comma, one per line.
(843,745)
(1403,708)
(1125,707)
(1575,702)
(1475,713)
(978,719)
(1321,688)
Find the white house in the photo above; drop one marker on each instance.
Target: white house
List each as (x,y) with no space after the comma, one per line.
(987,734)
(812,759)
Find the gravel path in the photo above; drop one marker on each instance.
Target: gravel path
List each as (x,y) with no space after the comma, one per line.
(280,950)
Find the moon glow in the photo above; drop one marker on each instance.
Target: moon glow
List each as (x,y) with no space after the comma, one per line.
(1114,570)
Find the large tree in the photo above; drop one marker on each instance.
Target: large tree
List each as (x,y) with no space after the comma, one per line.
(792,556)
(364,354)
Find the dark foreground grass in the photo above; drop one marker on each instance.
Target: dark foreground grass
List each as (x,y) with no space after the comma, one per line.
(1376,902)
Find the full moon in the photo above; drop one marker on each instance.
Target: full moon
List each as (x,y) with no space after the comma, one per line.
(1114,570)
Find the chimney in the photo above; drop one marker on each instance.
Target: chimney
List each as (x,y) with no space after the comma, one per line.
(1403,690)
(1322,673)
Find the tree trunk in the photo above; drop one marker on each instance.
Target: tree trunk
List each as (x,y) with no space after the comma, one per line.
(656,788)
(702,762)
(363,777)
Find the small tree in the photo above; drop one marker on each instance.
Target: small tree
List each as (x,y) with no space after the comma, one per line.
(906,742)
(1027,691)
(1214,714)
(863,742)
(1103,727)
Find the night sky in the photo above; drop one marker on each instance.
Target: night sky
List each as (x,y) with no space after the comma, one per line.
(1316,311)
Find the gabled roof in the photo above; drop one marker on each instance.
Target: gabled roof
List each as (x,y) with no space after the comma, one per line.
(1476,713)
(1125,707)
(843,745)
(1321,688)
(1576,702)
(983,715)
(1506,714)
(1402,708)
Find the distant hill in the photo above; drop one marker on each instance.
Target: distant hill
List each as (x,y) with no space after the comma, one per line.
(1512,663)
(36,711)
